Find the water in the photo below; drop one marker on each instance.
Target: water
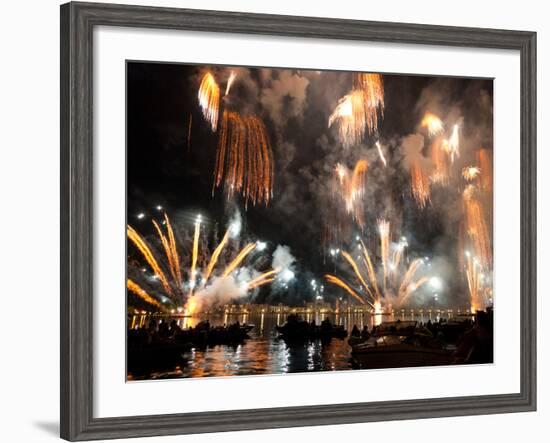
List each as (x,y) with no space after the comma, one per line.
(265,353)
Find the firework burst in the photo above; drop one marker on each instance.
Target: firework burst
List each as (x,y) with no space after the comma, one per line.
(485,162)
(209,99)
(177,281)
(350,117)
(470,173)
(420,184)
(477,283)
(397,280)
(351,188)
(360,110)
(440,174)
(372,87)
(244,160)
(452,144)
(432,123)
(476,227)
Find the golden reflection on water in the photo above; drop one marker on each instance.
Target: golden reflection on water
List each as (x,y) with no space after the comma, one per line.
(265,353)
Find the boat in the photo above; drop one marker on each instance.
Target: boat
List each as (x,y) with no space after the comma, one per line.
(400,344)
(296,329)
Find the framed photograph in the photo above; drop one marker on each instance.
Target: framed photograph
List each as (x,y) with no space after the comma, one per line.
(273,221)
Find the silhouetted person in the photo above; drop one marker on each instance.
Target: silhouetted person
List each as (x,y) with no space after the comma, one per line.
(476,345)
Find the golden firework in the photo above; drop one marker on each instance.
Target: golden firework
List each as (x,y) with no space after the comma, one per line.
(420,184)
(351,188)
(476,227)
(372,86)
(244,159)
(440,174)
(485,162)
(173,284)
(360,110)
(209,99)
(432,123)
(141,293)
(396,290)
(350,116)
(470,173)
(452,144)
(230,80)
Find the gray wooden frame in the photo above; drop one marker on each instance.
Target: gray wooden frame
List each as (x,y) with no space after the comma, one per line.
(77,24)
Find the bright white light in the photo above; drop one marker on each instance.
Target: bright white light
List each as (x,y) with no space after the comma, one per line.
(332,252)
(318,297)
(140,215)
(467,253)
(199,218)
(235,228)
(436,283)
(260,245)
(159,208)
(287,275)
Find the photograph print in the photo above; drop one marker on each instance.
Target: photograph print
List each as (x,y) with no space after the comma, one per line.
(283,220)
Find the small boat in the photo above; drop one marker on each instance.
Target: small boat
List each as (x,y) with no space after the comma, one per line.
(144,357)
(397,345)
(296,329)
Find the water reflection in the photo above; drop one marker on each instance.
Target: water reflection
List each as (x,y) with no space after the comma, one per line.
(265,353)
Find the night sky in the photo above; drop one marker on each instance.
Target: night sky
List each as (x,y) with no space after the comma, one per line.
(164,169)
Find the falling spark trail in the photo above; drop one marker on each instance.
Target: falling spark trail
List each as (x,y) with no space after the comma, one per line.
(440,161)
(359,110)
(453,144)
(350,115)
(230,81)
(352,189)
(372,86)
(209,99)
(381,154)
(244,159)
(384,231)
(476,227)
(485,162)
(420,185)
